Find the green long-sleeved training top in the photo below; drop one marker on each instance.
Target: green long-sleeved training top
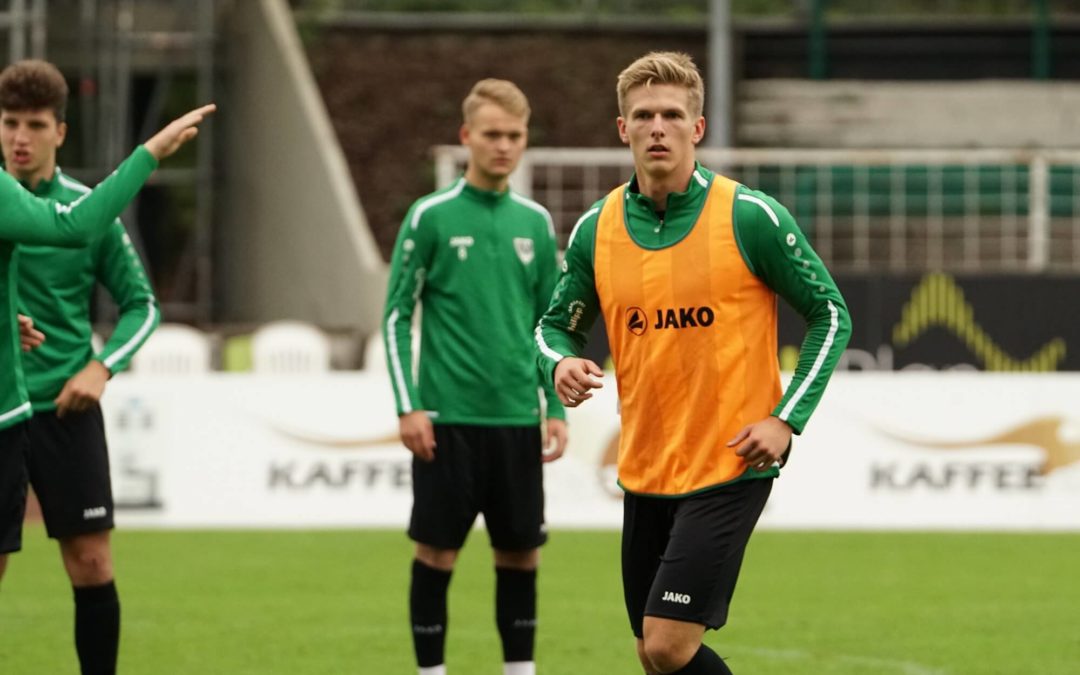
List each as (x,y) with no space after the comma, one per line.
(25,219)
(482,266)
(56,285)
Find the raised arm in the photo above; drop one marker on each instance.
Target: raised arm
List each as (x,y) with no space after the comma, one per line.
(26,219)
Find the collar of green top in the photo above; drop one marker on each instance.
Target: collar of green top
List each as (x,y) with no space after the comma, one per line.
(44,187)
(678,203)
(683,208)
(484,195)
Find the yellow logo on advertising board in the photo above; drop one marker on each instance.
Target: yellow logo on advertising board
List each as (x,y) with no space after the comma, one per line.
(939,301)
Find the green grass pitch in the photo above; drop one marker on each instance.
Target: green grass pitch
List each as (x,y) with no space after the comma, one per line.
(334,602)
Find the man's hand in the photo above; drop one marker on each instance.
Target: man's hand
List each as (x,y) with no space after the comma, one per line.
(84,389)
(574,378)
(418,434)
(556,440)
(176,133)
(29,337)
(763,443)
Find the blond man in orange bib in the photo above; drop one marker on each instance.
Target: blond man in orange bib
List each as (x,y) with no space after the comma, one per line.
(685,266)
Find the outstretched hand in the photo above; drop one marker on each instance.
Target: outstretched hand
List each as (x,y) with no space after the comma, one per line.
(181,130)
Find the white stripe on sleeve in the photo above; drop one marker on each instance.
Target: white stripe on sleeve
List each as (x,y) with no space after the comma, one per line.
(834,324)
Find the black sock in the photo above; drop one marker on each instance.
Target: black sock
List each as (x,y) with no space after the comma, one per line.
(97,628)
(705,662)
(515,612)
(427,611)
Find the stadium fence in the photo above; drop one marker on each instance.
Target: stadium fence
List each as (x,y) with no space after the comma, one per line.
(865,210)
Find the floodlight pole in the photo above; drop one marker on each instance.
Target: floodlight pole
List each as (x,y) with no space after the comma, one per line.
(719,96)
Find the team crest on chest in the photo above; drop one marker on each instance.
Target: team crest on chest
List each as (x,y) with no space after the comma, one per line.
(462,245)
(524,248)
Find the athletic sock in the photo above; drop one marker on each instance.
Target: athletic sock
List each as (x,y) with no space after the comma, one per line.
(515,615)
(519,668)
(705,662)
(97,628)
(427,611)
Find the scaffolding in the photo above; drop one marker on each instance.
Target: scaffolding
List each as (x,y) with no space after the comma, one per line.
(136,65)
(25,24)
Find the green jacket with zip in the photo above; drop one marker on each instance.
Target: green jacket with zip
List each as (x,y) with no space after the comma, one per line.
(56,285)
(26,219)
(481,265)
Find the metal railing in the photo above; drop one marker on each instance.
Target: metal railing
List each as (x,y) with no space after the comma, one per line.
(25,21)
(864,210)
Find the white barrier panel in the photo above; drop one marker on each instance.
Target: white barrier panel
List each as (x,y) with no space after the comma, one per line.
(256,450)
(937,451)
(884,450)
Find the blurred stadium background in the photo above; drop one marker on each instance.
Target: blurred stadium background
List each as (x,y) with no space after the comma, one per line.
(931,150)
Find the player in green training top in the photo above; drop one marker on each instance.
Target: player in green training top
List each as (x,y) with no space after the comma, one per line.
(26,219)
(68,461)
(481,260)
(685,266)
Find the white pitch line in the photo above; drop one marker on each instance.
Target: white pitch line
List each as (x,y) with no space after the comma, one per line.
(902,667)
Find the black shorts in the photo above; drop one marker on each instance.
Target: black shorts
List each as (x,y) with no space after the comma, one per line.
(69,469)
(13,442)
(496,471)
(681,557)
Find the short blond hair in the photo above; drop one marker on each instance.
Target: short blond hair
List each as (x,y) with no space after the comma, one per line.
(663,68)
(502,93)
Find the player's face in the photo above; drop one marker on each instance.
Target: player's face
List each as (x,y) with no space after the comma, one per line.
(660,129)
(30,139)
(496,140)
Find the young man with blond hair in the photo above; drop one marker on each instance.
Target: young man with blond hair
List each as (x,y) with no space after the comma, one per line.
(68,458)
(481,261)
(684,265)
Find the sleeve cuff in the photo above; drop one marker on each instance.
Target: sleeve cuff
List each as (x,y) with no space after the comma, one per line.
(145,157)
(557,412)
